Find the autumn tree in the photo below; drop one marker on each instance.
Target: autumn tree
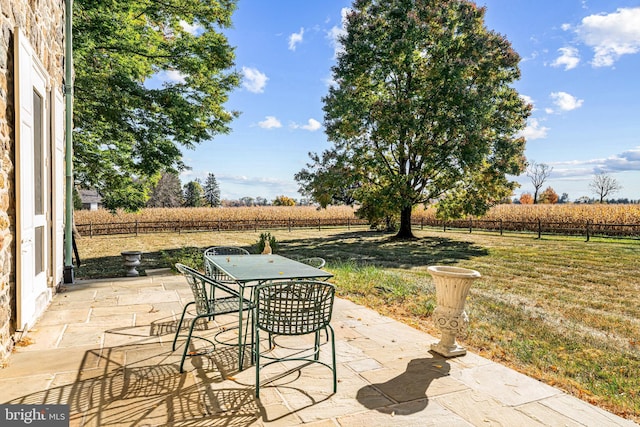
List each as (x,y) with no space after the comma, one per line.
(604,185)
(212,191)
(167,192)
(423,109)
(538,173)
(284,201)
(549,196)
(151,78)
(526,199)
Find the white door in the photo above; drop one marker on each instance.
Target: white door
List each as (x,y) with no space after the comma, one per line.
(32,149)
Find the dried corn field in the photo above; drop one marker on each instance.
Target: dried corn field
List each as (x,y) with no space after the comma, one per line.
(571,219)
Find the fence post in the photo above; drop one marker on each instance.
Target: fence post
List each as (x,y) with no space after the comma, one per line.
(501,226)
(91,229)
(470,225)
(348,223)
(179,227)
(588,231)
(256,225)
(318,224)
(136,228)
(444,225)
(421,224)
(539,228)
(289,225)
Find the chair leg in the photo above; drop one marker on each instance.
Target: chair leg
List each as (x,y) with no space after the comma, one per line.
(333,357)
(256,351)
(186,344)
(184,311)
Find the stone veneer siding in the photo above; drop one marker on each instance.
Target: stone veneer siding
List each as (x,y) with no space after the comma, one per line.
(42,21)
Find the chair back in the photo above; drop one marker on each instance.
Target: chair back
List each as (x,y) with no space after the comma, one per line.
(315,261)
(198,284)
(226,250)
(294,307)
(221,250)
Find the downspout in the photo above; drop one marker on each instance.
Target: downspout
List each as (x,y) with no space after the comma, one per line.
(68,97)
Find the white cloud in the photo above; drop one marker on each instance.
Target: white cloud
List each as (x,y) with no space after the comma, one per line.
(335,32)
(312,125)
(565,101)
(295,39)
(622,162)
(534,130)
(528,100)
(568,58)
(189,28)
(565,27)
(270,122)
(170,76)
(611,35)
(254,80)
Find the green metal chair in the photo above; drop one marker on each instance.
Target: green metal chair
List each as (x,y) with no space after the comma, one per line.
(221,250)
(315,261)
(293,307)
(206,308)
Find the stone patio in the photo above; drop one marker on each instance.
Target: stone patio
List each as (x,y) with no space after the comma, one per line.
(104,348)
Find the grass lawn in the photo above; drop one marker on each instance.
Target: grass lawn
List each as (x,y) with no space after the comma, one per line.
(558,309)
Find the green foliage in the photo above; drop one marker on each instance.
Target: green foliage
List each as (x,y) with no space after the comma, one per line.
(423,110)
(260,244)
(150,79)
(189,256)
(77,201)
(212,191)
(193,194)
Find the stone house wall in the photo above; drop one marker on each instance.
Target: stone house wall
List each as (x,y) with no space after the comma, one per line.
(42,21)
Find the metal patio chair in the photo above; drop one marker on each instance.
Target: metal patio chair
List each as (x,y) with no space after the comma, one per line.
(293,308)
(315,261)
(205,307)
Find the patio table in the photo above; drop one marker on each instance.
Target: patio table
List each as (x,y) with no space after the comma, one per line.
(249,271)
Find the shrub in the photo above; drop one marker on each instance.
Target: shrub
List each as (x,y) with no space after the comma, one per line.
(259,245)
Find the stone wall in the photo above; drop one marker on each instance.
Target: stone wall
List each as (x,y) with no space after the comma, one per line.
(42,21)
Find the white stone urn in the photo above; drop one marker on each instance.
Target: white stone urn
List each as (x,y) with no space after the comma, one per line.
(452,288)
(131,259)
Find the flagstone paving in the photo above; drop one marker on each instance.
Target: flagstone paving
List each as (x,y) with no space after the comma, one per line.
(104,348)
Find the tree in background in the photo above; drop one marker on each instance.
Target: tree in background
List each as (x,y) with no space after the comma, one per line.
(549,196)
(128,125)
(538,173)
(283,201)
(564,198)
(526,199)
(167,193)
(212,191)
(424,109)
(330,180)
(193,194)
(604,185)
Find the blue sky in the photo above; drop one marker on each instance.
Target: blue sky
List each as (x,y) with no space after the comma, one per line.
(580,70)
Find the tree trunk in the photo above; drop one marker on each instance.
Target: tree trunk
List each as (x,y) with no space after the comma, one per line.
(405,224)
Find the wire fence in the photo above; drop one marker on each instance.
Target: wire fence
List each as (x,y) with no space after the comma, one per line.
(588,228)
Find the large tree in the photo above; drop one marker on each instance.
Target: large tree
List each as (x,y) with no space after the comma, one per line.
(604,185)
(151,78)
(538,174)
(193,194)
(212,191)
(422,108)
(167,192)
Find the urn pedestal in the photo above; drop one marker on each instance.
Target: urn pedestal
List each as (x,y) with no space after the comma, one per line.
(452,287)
(131,259)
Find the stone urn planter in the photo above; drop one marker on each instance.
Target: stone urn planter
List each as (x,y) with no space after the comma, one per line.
(131,259)
(452,288)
